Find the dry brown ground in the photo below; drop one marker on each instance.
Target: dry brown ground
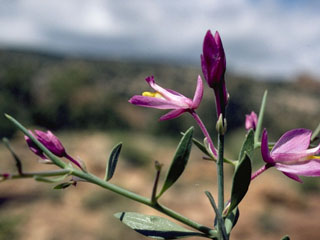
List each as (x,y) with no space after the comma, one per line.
(32,210)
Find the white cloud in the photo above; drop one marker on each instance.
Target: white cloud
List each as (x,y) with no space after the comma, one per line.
(266,37)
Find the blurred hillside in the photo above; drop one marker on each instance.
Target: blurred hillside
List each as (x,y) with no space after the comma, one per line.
(68,93)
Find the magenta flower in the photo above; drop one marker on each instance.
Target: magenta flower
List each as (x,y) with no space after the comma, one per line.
(251,121)
(291,155)
(52,143)
(33,147)
(168,99)
(213,63)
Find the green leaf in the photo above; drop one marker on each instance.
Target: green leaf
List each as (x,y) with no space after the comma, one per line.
(218,215)
(260,118)
(315,133)
(154,227)
(179,161)
(113,160)
(50,180)
(231,220)
(241,181)
(63,185)
(248,145)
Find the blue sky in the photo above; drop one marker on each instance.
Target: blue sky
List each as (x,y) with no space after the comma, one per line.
(265,37)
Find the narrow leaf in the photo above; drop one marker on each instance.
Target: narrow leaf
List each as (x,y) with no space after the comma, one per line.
(218,215)
(231,220)
(50,180)
(260,118)
(248,145)
(63,185)
(179,161)
(315,133)
(113,160)
(154,227)
(14,155)
(241,181)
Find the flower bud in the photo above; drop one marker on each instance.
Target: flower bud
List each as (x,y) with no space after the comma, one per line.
(51,142)
(33,147)
(251,121)
(221,125)
(213,63)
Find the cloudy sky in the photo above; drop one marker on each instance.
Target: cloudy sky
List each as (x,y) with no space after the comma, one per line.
(262,37)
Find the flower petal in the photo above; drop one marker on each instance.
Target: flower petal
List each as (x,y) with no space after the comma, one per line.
(153,102)
(292,141)
(295,157)
(170,95)
(293,176)
(172,114)
(51,142)
(309,169)
(204,68)
(265,149)
(198,94)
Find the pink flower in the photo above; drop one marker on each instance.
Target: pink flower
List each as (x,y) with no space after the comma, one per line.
(33,147)
(291,155)
(52,143)
(213,63)
(168,99)
(251,121)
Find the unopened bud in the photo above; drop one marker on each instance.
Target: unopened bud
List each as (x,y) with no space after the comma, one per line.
(221,125)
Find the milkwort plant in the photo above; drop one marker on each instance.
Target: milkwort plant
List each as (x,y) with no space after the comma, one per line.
(291,154)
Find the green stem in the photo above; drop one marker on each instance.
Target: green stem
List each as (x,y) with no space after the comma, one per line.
(104,184)
(169,212)
(40,174)
(57,161)
(220,177)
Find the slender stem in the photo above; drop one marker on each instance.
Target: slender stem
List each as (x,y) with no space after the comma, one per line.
(220,175)
(49,154)
(187,221)
(39,174)
(260,170)
(128,194)
(155,184)
(74,161)
(218,215)
(204,131)
(104,184)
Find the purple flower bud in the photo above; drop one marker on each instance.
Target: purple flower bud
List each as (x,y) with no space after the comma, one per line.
(251,121)
(213,59)
(51,142)
(33,147)
(213,63)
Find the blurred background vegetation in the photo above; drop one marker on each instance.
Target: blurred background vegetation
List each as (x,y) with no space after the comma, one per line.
(61,93)
(85,102)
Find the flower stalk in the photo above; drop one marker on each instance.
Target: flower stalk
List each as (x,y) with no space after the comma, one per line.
(66,169)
